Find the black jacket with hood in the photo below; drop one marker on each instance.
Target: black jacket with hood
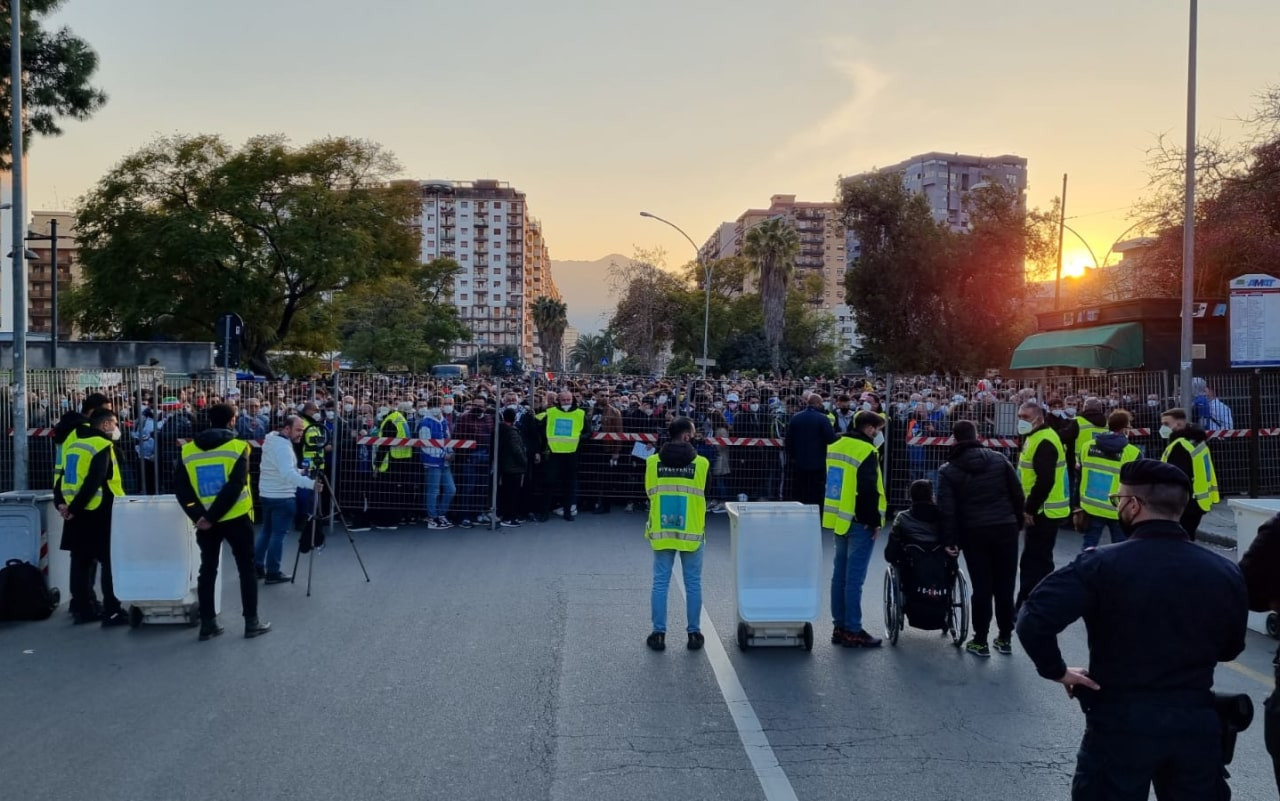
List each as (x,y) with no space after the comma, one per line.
(978,489)
(230,492)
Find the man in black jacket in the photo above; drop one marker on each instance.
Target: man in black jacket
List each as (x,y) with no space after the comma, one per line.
(1174,426)
(1160,613)
(982,506)
(1042,470)
(1261,568)
(72,420)
(84,498)
(222,510)
(808,434)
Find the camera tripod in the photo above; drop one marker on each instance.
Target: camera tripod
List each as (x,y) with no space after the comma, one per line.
(308,536)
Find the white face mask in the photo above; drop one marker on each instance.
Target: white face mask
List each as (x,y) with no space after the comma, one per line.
(1025,428)
(755,407)
(330,415)
(866,406)
(879,439)
(114,435)
(266,408)
(1165,432)
(1153,403)
(317,417)
(1071,411)
(718,404)
(564,407)
(662,399)
(434,413)
(826,405)
(348,407)
(383,410)
(447,408)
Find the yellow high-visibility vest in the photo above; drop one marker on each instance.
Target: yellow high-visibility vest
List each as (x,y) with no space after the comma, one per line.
(402,432)
(210,470)
(563,428)
(76,459)
(1204,478)
(1100,479)
(314,437)
(677,504)
(1088,433)
(59,460)
(1058,504)
(844,457)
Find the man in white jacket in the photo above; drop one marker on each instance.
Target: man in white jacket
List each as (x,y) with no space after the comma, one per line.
(277,486)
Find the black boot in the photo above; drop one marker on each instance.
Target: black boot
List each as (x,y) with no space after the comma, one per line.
(252,628)
(210,629)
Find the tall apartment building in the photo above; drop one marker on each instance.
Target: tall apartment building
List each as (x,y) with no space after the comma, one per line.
(485,226)
(822,251)
(40,270)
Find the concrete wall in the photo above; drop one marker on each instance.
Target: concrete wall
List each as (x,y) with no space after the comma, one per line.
(175,357)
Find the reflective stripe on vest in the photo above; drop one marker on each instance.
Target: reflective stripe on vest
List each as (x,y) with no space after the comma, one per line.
(1088,433)
(1204,478)
(59,463)
(564,429)
(1100,479)
(677,506)
(840,501)
(314,438)
(1058,504)
(77,458)
(210,470)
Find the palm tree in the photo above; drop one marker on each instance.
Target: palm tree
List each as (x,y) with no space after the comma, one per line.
(591,350)
(772,246)
(549,317)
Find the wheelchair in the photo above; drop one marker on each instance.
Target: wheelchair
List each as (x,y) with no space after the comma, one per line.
(956,621)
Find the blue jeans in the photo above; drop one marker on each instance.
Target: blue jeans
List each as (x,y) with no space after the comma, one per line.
(440,491)
(691,569)
(277,519)
(1099,524)
(853,556)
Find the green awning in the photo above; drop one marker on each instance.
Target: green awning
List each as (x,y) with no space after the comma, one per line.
(1102,347)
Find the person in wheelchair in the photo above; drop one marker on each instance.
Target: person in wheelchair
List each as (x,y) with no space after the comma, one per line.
(926,567)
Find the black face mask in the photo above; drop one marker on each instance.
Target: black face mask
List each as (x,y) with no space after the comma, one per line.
(1127,526)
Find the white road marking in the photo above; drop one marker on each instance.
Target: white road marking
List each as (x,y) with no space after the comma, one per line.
(773,780)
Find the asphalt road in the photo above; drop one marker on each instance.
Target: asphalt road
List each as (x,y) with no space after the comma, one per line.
(511,665)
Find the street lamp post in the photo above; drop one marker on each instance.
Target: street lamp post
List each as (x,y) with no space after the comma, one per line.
(1189,217)
(706,271)
(19,263)
(52,239)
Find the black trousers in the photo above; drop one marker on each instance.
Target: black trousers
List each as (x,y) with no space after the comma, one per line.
(1191,517)
(809,486)
(1271,726)
(238,534)
(562,482)
(1037,554)
(509,486)
(1128,747)
(991,557)
(395,499)
(88,535)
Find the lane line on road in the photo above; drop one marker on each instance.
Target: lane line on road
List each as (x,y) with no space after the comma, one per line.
(1261,678)
(773,779)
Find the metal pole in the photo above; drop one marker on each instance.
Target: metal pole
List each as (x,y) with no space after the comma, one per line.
(706,314)
(332,462)
(53,329)
(19,254)
(495,475)
(1062,227)
(1189,220)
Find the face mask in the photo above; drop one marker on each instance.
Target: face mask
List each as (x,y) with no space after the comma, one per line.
(1165,432)
(64,403)
(383,411)
(434,413)
(115,435)
(317,417)
(718,404)
(879,439)
(513,407)
(348,407)
(591,403)
(406,407)
(1153,404)
(564,407)
(826,406)
(755,407)
(647,412)
(1126,525)
(1071,411)
(866,407)
(1025,428)
(928,407)
(266,408)
(330,415)
(447,408)
(662,399)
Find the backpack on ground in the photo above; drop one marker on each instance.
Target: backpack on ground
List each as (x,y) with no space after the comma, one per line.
(24,593)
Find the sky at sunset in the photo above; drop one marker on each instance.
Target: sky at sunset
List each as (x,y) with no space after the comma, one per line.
(693,109)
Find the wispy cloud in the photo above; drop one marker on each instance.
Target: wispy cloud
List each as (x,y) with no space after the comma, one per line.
(866,84)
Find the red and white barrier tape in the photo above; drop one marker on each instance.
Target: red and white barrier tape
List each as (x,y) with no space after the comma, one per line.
(400,442)
(620,437)
(995,442)
(767,442)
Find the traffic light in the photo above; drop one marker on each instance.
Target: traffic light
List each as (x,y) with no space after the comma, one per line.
(228,333)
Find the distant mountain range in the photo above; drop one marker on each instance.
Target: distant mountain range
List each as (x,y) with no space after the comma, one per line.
(585,287)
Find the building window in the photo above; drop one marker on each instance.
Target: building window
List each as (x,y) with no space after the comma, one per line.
(466,244)
(466,204)
(431,216)
(431,230)
(497,298)
(497,204)
(497,232)
(466,231)
(464,257)
(463,296)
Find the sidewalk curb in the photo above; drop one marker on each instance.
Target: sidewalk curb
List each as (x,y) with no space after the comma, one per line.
(1213,538)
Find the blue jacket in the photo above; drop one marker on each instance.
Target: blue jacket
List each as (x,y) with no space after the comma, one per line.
(434,429)
(808,435)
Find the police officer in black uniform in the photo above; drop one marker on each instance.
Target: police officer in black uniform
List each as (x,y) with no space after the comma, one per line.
(1160,612)
(1261,568)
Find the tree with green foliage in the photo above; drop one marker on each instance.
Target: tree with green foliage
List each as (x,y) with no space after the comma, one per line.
(188,228)
(416,335)
(550,319)
(644,320)
(772,246)
(592,353)
(57,67)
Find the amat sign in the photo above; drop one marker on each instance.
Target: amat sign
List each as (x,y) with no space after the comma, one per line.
(1255,321)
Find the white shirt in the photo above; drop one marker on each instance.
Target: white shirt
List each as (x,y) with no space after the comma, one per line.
(280,477)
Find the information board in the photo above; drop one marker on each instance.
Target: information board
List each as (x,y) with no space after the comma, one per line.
(1255,321)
